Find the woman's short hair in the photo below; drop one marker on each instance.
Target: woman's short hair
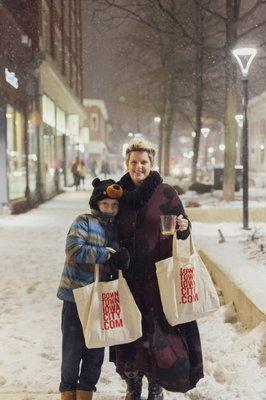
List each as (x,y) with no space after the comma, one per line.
(140,144)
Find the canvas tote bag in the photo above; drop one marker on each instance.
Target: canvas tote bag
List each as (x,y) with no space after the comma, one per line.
(108,313)
(186,289)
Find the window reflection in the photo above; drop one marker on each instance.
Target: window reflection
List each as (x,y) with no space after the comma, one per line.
(16,153)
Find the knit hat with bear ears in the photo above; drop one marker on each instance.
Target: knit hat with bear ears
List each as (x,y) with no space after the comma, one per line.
(106,189)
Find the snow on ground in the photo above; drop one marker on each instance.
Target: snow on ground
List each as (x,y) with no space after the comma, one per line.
(32,254)
(239,257)
(257,198)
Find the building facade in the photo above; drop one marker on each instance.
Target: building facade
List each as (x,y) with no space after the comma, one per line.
(50,39)
(100,130)
(18,155)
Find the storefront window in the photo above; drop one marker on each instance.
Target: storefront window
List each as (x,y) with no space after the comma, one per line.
(32,155)
(60,144)
(48,108)
(16,153)
(49,158)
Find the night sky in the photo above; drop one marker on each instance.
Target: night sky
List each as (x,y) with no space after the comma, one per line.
(105,73)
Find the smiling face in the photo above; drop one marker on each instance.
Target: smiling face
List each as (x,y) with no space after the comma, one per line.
(139,166)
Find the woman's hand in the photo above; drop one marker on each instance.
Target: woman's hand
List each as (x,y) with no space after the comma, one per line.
(182,223)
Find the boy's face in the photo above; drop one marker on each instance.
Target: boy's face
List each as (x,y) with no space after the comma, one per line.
(108,206)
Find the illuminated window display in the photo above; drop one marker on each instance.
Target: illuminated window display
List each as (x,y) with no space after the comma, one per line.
(60,144)
(32,153)
(16,153)
(49,155)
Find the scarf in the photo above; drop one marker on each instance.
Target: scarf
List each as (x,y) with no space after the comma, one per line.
(138,196)
(104,218)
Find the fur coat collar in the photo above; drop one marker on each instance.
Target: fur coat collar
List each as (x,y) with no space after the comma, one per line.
(137,197)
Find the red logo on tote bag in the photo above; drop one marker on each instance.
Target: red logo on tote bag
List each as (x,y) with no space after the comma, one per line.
(111,311)
(188,286)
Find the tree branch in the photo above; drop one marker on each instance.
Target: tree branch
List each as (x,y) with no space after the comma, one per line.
(175,20)
(251,29)
(251,10)
(130,13)
(208,10)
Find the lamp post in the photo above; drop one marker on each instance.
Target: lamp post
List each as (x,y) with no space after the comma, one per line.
(244,57)
(239,121)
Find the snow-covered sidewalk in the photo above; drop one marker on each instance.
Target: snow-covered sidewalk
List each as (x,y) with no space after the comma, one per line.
(32,255)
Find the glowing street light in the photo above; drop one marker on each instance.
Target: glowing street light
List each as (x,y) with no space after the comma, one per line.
(244,57)
(205,132)
(157,119)
(239,120)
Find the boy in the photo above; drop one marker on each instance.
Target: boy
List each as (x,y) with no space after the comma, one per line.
(86,245)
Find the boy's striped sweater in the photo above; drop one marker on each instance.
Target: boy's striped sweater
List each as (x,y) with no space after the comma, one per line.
(86,244)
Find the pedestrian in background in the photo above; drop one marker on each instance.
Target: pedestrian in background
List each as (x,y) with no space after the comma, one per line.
(93,168)
(105,170)
(169,356)
(82,174)
(75,173)
(86,245)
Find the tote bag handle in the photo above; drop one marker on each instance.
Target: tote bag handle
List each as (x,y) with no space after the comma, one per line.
(176,247)
(97,273)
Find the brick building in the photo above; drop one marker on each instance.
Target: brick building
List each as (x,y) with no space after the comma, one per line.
(50,43)
(16,103)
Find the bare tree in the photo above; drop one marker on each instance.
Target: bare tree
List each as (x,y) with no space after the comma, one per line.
(205,32)
(233,13)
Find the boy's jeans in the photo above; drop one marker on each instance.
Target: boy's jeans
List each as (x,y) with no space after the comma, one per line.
(81,367)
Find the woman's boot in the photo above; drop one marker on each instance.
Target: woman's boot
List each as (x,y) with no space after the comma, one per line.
(68,395)
(134,385)
(155,390)
(83,395)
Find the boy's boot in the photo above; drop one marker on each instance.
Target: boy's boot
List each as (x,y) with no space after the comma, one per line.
(68,395)
(155,390)
(134,385)
(83,395)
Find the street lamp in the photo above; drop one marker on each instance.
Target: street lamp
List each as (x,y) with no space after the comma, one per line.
(157,119)
(205,132)
(239,121)
(244,58)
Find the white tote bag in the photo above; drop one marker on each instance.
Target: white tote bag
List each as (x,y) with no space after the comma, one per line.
(186,289)
(108,313)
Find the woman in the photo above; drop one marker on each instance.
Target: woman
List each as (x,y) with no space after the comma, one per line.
(169,357)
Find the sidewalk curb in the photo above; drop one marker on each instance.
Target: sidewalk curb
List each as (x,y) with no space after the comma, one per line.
(248,313)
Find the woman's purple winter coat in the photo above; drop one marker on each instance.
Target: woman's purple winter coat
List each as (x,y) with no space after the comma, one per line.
(169,355)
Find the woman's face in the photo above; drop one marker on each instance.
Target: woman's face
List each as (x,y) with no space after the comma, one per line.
(139,166)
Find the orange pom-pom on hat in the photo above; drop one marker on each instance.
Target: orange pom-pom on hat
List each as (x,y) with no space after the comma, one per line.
(114,191)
